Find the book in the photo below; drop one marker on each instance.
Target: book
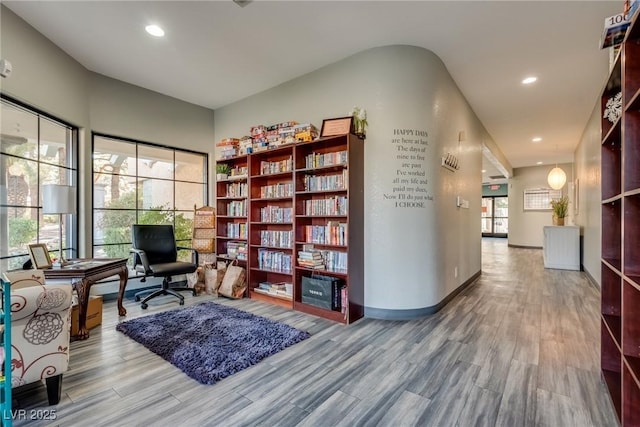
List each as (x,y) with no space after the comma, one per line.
(615,28)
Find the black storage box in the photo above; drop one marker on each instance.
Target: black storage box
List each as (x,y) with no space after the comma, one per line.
(322,291)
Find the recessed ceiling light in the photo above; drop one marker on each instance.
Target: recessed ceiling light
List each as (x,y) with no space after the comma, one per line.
(538,163)
(484,170)
(154,30)
(536,139)
(529,80)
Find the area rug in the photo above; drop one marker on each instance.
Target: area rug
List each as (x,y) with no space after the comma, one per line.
(210,341)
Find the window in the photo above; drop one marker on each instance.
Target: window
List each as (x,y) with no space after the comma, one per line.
(142,183)
(35,149)
(540,198)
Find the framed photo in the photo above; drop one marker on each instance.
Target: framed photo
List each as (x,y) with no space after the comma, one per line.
(40,256)
(339,126)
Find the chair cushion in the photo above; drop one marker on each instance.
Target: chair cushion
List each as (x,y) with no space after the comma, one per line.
(172,268)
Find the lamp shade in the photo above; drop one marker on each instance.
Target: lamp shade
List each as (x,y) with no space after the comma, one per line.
(557,178)
(58,199)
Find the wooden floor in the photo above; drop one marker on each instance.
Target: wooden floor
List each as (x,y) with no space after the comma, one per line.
(520,347)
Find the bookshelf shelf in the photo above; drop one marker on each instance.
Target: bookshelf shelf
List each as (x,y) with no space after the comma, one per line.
(620,208)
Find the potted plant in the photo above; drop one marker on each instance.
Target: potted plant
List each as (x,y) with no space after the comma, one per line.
(560,208)
(222,171)
(359,121)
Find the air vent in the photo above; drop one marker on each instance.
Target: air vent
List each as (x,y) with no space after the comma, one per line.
(496,176)
(242,3)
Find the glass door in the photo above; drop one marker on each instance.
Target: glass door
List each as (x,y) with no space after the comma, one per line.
(495,216)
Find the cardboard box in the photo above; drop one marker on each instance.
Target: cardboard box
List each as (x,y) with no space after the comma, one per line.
(94,314)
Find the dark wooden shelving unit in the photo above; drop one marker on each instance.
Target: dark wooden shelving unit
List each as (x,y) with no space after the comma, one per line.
(271,189)
(342,176)
(620,183)
(227,192)
(268,186)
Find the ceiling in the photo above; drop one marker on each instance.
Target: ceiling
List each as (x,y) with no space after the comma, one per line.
(216,52)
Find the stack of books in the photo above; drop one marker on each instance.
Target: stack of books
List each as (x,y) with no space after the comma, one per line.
(228,148)
(311,258)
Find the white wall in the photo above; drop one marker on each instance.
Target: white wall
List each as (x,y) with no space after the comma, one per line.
(411,254)
(47,78)
(587,158)
(525,227)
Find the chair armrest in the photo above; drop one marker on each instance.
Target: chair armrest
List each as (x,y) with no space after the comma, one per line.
(194,253)
(142,255)
(25,302)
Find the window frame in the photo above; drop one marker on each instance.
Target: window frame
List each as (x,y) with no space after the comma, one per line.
(70,169)
(138,209)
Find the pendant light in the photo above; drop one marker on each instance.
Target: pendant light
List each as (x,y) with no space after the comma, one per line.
(556,178)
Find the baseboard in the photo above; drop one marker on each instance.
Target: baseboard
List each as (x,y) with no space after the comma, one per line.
(524,247)
(591,279)
(131,293)
(416,313)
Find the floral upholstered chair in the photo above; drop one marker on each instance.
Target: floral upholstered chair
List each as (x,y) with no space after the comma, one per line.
(40,330)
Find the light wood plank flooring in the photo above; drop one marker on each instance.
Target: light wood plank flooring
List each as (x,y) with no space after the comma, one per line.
(520,347)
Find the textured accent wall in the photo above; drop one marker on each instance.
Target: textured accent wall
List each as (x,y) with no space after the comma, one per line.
(419,247)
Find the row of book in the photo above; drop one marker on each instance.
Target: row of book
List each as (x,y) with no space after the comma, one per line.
(278,239)
(275,261)
(277,166)
(330,206)
(283,189)
(280,288)
(334,233)
(316,160)
(262,138)
(326,182)
(321,259)
(239,172)
(335,261)
(237,250)
(276,214)
(266,137)
(237,189)
(237,230)
(237,208)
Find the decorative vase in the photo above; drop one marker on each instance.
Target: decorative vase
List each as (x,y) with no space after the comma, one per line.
(558,221)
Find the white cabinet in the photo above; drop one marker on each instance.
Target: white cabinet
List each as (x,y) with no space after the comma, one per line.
(561,247)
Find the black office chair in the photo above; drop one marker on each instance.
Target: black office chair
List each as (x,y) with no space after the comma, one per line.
(155,254)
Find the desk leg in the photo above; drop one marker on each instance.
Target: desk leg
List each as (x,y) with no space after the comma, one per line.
(83,287)
(124,275)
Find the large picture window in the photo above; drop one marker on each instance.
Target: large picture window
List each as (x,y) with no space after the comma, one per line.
(35,149)
(142,183)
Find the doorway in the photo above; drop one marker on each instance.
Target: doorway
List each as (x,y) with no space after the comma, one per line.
(495,216)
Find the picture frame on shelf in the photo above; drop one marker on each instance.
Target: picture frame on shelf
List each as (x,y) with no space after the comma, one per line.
(337,126)
(39,254)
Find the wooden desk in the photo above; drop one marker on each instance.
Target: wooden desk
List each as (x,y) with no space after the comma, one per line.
(90,271)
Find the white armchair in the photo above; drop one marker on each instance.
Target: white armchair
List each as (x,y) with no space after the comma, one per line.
(40,331)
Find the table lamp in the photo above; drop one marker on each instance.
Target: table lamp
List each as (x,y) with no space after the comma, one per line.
(58,200)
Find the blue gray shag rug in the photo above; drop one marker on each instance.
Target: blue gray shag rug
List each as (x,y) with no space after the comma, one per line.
(210,341)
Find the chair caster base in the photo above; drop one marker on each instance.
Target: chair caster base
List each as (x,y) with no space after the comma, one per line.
(181,302)
(144,306)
